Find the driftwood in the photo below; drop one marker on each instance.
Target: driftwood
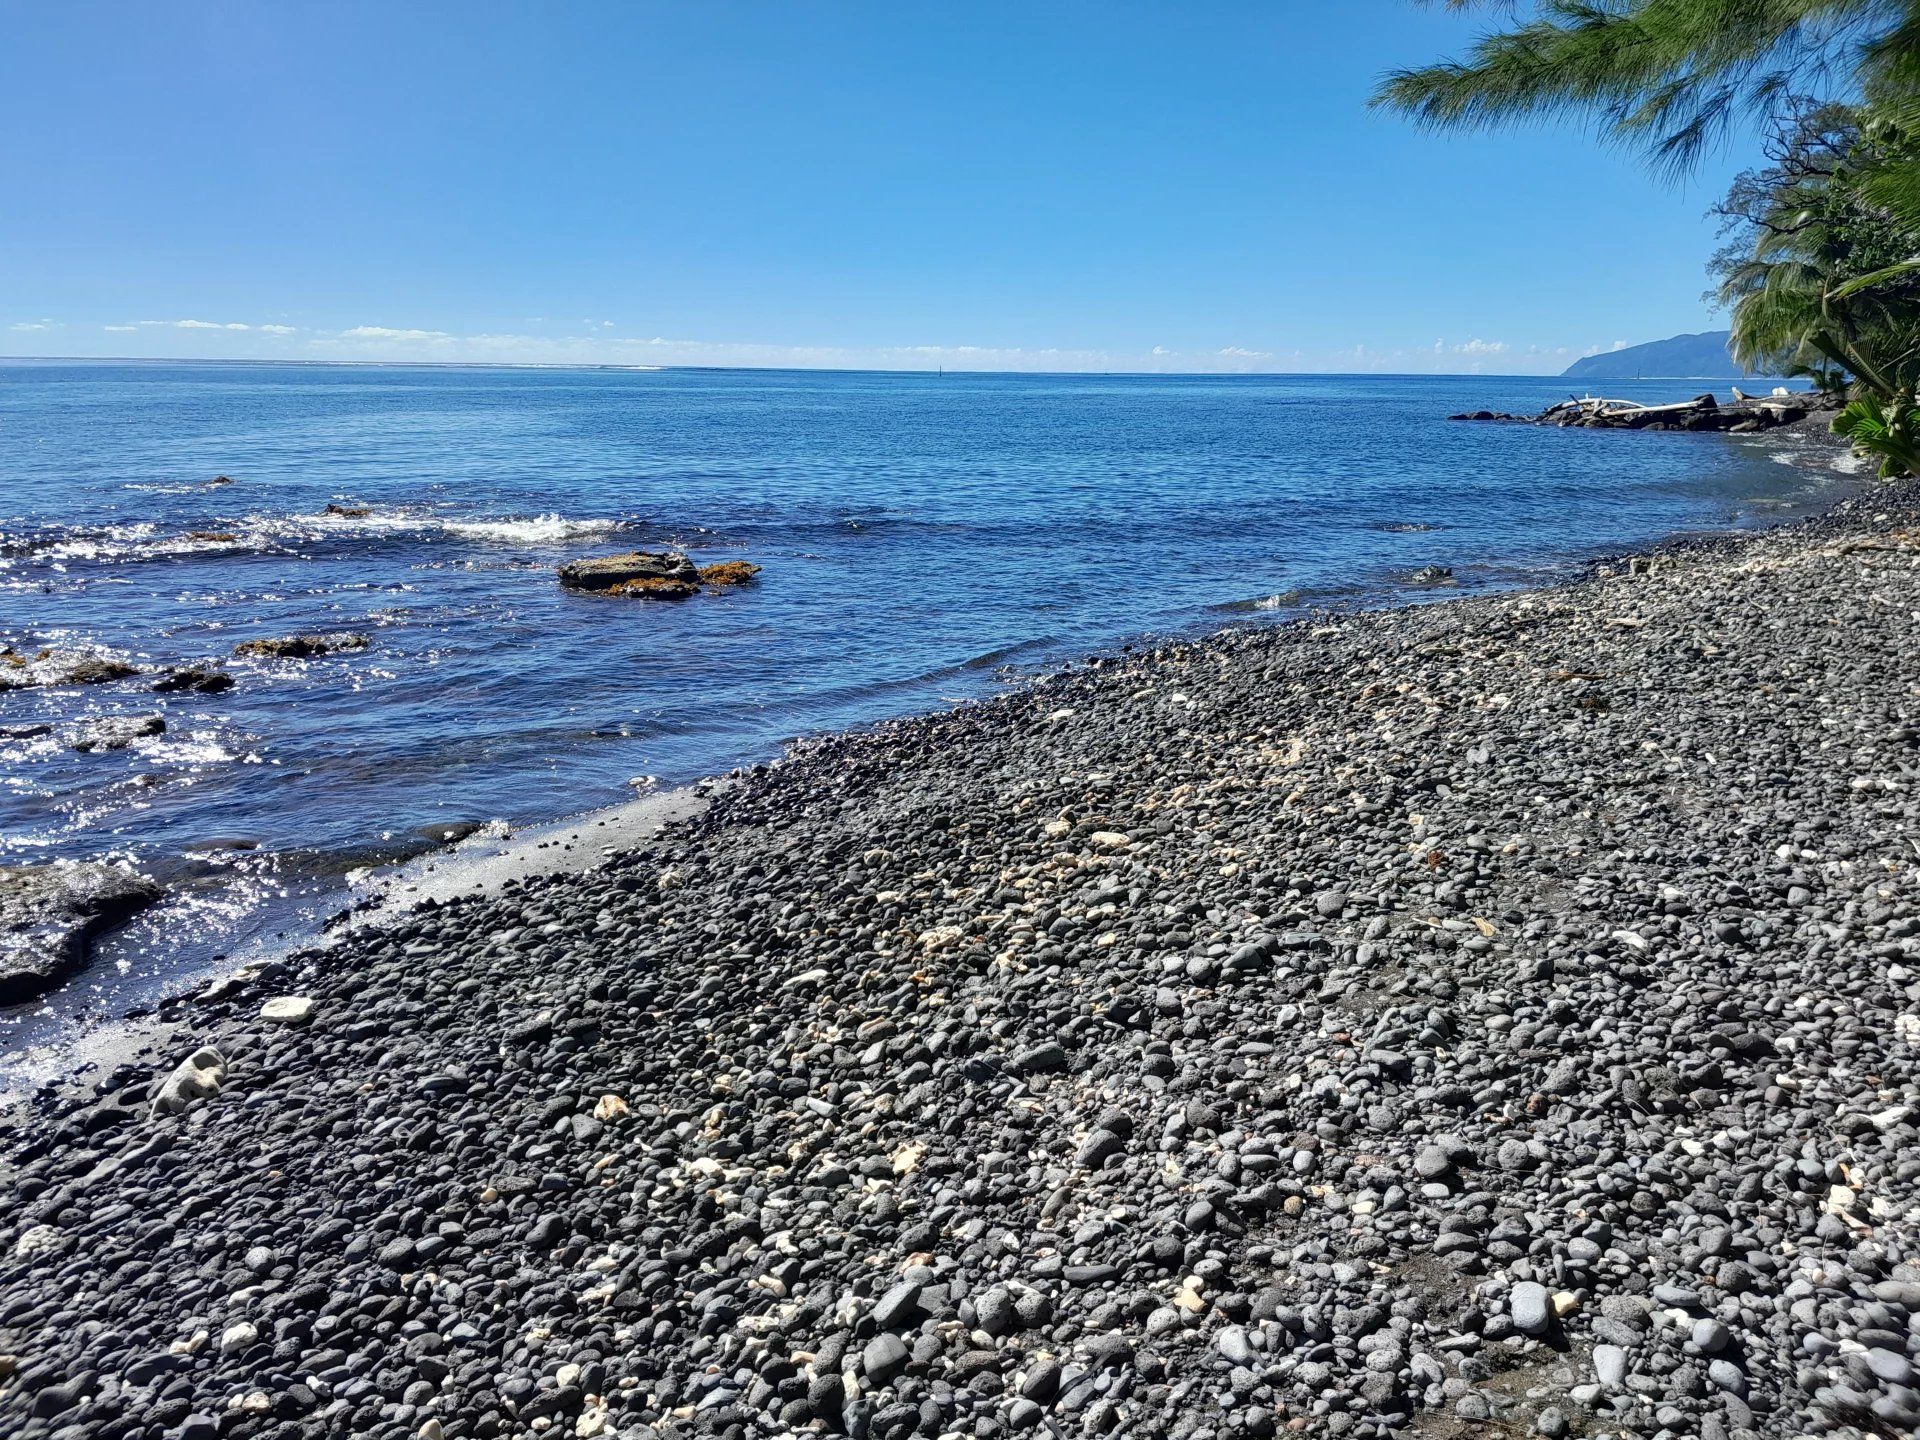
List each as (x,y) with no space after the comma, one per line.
(1599,405)
(1703,412)
(1590,405)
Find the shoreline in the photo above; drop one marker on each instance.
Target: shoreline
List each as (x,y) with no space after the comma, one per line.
(278,920)
(103,1040)
(949,978)
(1517,989)
(478,865)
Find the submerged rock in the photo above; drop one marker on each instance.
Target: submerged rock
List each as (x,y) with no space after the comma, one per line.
(19,671)
(606,572)
(114,732)
(348,512)
(195,680)
(49,914)
(1432,575)
(650,587)
(303,647)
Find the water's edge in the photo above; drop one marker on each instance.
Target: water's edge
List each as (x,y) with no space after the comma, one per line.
(497,857)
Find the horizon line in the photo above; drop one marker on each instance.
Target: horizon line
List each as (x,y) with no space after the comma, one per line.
(823,369)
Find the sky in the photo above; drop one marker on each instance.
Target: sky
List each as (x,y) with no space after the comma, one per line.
(1109,186)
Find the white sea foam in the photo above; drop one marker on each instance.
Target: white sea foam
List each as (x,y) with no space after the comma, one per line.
(143,540)
(1850,463)
(540,530)
(195,748)
(549,529)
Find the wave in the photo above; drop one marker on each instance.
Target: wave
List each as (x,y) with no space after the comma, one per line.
(1296,599)
(1284,600)
(285,534)
(540,530)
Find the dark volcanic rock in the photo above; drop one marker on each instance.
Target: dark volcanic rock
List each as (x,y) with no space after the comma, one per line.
(195,680)
(604,572)
(19,671)
(114,732)
(302,647)
(48,913)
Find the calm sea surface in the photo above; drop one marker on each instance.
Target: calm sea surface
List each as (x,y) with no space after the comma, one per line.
(923,537)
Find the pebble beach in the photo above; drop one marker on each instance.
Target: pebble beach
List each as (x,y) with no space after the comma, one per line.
(1492,1017)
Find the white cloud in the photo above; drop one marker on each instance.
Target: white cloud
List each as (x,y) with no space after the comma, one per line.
(386,342)
(591,343)
(35,325)
(383,332)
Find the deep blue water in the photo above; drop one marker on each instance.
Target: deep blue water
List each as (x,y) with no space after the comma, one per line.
(919,534)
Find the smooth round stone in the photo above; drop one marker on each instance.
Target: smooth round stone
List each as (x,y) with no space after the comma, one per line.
(1709,1336)
(1610,1366)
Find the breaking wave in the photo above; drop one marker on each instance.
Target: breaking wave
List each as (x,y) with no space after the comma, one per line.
(286,534)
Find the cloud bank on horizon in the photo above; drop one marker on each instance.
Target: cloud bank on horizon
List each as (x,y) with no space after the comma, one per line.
(592,344)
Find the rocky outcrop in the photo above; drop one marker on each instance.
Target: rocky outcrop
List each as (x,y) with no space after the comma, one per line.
(303,647)
(20,671)
(728,573)
(620,573)
(1745,415)
(653,575)
(50,913)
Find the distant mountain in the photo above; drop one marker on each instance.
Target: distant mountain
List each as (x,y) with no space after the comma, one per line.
(1684,357)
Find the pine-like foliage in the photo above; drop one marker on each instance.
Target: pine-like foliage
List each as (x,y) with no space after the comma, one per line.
(1668,76)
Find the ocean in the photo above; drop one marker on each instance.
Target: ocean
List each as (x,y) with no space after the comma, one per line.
(924,539)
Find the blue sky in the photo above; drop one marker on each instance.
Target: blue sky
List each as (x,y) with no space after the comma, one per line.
(1054,185)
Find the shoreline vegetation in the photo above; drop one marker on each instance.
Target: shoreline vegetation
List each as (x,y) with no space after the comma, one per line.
(1496,1012)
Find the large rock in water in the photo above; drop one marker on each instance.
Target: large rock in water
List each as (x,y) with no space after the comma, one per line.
(303,647)
(604,572)
(49,913)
